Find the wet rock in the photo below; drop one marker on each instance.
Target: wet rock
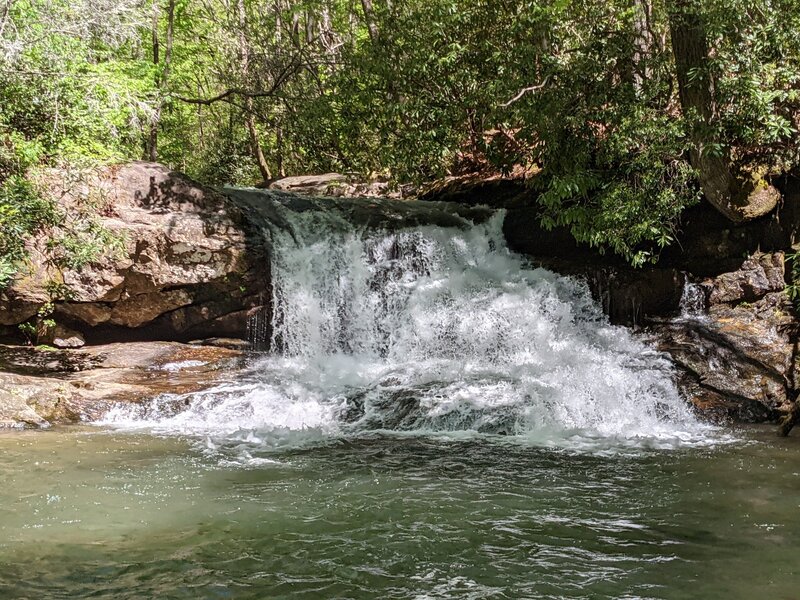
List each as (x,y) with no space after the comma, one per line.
(790,419)
(316,185)
(336,185)
(230,343)
(494,191)
(759,275)
(731,366)
(741,362)
(42,386)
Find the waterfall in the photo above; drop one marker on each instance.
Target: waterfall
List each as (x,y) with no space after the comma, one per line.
(694,301)
(430,329)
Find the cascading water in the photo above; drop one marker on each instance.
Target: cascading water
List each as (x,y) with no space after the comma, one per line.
(430,329)
(693,304)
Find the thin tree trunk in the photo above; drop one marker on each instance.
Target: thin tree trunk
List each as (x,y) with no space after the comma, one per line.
(201,131)
(369,17)
(326,34)
(163,76)
(279,143)
(4,15)
(296,29)
(244,50)
(309,27)
(644,41)
(152,138)
(278,22)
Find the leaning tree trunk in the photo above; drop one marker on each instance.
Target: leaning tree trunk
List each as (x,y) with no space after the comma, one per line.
(738,199)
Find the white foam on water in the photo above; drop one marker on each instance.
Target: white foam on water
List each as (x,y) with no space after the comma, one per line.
(181,365)
(433,330)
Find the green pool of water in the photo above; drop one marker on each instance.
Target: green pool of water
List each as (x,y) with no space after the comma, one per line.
(103,514)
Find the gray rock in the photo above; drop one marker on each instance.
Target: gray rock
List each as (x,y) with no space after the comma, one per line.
(64,337)
(759,275)
(318,185)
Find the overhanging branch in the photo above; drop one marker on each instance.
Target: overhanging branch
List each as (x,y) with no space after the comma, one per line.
(524,91)
(226,94)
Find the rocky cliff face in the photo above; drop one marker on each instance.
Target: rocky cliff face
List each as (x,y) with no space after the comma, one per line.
(191,264)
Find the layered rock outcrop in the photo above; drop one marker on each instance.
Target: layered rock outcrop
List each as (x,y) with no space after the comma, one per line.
(739,358)
(189,263)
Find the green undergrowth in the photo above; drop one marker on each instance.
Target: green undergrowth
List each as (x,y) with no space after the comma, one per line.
(75,236)
(71,235)
(24,212)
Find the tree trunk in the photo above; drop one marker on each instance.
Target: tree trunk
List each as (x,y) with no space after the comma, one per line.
(244,52)
(644,41)
(279,143)
(326,33)
(310,26)
(737,200)
(369,17)
(4,15)
(162,76)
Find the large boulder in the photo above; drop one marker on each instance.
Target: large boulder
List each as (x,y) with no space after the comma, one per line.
(188,261)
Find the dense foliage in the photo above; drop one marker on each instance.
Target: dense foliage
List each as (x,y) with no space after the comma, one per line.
(584,97)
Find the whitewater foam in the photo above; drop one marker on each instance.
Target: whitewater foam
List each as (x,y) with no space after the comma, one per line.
(431,330)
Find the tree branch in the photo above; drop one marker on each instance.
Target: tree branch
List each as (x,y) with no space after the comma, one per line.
(293,66)
(524,91)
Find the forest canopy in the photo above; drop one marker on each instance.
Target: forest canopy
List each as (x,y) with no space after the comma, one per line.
(622,113)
